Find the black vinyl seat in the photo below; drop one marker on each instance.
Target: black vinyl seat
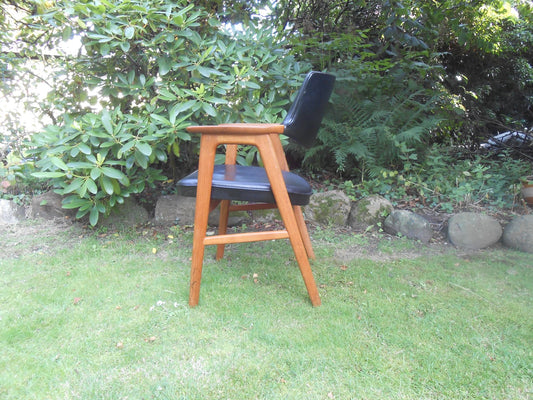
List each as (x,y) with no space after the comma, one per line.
(244,183)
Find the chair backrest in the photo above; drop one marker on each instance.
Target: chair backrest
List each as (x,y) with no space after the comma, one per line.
(306,113)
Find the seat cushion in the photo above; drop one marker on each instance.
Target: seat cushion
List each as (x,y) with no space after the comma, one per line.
(243,183)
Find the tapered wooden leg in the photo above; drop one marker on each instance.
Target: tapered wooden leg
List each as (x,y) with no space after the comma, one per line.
(301,255)
(223,226)
(203,194)
(289,219)
(304,233)
(197,253)
(280,154)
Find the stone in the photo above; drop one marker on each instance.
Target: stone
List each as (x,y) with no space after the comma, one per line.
(369,211)
(518,234)
(48,206)
(10,212)
(179,210)
(474,231)
(266,216)
(174,210)
(125,215)
(408,224)
(328,208)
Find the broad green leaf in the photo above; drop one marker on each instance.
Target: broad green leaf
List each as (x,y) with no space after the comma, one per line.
(214,22)
(183,135)
(95,173)
(127,147)
(207,72)
(165,94)
(105,49)
(80,164)
(160,119)
(141,159)
(67,33)
(75,202)
(107,185)
(91,186)
(209,109)
(130,162)
(73,186)
(113,173)
(161,155)
(81,24)
(176,149)
(164,65)
(106,121)
(55,174)
(129,32)
(83,211)
(178,108)
(251,85)
(144,148)
(178,20)
(185,10)
(82,191)
(216,100)
(59,163)
(116,185)
(101,38)
(108,144)
(86,206)
(93,216)
(84,148)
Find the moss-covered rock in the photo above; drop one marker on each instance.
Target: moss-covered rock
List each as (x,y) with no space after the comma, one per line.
(369,212)
(328,208)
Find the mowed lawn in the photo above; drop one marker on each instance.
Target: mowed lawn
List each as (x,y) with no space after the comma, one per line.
(104,315)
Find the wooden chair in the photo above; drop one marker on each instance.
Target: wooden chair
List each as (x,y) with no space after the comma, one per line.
(262,188)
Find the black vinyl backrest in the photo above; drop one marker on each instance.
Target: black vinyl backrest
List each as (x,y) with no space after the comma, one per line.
(306,113)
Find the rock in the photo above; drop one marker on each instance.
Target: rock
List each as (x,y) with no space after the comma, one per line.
(369,211)
(473,230)
(125,215)
(175,209)
(266,216)
(518,234)
(10,212)
(328,208)
(409,224)
(48,206)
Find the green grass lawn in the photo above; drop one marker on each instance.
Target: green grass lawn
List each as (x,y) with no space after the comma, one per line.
(88,316)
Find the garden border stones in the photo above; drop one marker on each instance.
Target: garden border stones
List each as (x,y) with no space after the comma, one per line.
(466,230)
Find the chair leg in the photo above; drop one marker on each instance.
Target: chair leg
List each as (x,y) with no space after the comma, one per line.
(222,226)
(300,253)
(280,154)
(304,232)
(203,201)
(289,219)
